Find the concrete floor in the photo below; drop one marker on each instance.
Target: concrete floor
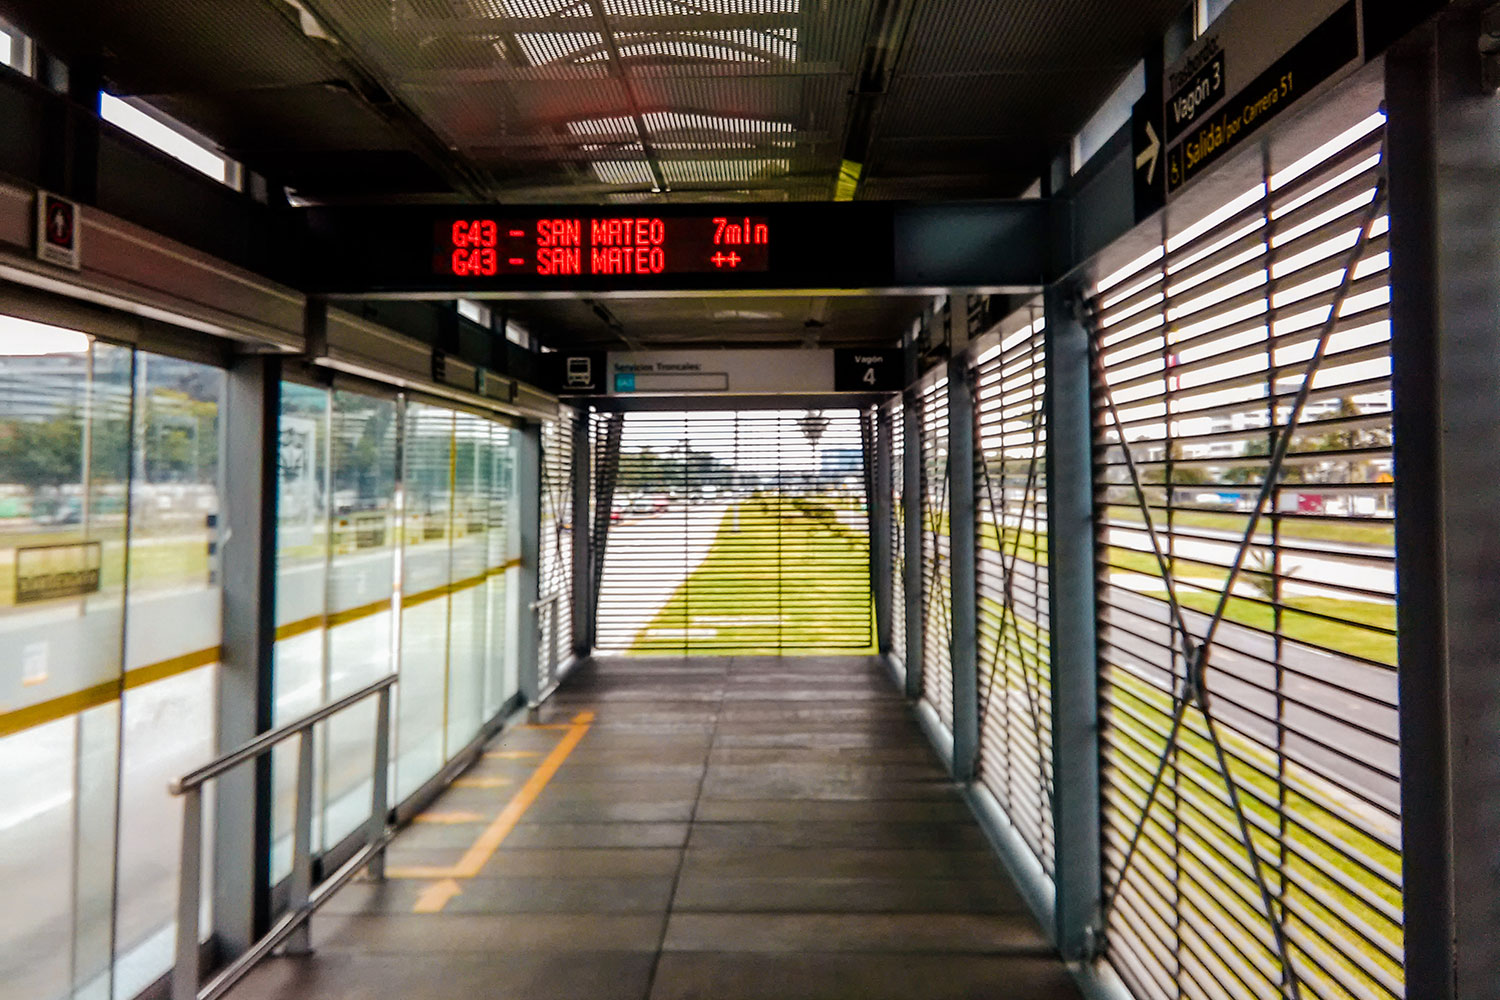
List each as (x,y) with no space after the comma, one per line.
(742,828)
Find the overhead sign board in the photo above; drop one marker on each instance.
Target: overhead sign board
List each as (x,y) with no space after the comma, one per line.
(1257,60)
(59,231)
(1149,150)
(446,251)
(675,373)
(861,370)
(606,245)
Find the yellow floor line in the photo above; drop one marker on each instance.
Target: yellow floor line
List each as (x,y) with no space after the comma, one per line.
(448,818)
(481,782)
(484,848)
(436,896)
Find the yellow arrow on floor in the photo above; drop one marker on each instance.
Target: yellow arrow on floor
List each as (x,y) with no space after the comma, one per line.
(436,896)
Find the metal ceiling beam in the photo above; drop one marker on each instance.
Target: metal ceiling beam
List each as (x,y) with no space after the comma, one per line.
(380,95)
(888,31)
(636,111)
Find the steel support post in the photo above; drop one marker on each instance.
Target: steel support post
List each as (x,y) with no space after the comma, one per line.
(529,513)
(1444,164)
(881,548)
(1071,582)
(241,849)
(963,649)
(911,511)
(583,533)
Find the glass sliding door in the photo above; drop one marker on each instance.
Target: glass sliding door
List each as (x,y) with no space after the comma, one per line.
(468,625)
(300,683)
(361,582)
(109,472)
(425,580)
(502,674)
(172,636)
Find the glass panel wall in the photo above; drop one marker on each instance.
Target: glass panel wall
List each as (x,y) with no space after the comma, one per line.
(109,472)
(110,490)
(468,621)
(172,637)
(395,538)
(361,582)
(502,669)
(425,576)
(300,682)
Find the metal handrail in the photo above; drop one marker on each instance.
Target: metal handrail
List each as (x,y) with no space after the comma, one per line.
(267,740)
(291,927)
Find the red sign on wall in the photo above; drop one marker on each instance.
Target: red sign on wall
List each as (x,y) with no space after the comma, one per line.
(57,230)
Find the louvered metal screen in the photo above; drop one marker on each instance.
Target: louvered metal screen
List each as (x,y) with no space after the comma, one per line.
(1015,687)
(937,612)
(556,543)
(898,531)
(1248,334)
(738,532)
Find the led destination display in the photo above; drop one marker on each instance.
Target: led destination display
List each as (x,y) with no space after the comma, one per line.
(482,247)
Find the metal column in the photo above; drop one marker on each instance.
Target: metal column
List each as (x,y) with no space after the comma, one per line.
(1444,164)
(881,547)
(1070,579)
(963,649)
(911,510)
(583,557)
(241,850)
(529,513)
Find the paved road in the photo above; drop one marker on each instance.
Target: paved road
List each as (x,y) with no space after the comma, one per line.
(1328,699)
(647,558)
(1326,568)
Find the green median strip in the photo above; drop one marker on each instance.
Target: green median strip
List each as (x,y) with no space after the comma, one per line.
(784,574)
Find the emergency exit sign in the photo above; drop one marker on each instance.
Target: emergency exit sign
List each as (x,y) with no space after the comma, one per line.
(58,231)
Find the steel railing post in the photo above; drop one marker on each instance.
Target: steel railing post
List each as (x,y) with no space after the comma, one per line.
(528,516)
(963,657)
(379,796)
(1074,611)
(189,887)
(911,513)
(299,886)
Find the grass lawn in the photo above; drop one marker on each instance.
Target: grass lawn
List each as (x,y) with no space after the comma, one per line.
(1324,885)
(1351,638)
(784,574)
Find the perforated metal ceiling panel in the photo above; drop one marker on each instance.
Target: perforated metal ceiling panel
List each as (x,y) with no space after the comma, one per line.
(617,100)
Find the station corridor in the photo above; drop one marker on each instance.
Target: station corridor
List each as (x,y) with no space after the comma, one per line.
(745,827)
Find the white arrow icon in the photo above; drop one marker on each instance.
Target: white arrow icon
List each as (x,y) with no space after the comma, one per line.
(1150,154)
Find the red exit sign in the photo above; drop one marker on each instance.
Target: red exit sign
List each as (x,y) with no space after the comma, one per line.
(601,245)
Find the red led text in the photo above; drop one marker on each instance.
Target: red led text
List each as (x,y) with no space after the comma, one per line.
(738,232)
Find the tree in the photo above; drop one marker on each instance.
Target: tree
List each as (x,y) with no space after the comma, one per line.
(42,453)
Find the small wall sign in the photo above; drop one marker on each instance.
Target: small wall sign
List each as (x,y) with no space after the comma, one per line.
(58,230)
